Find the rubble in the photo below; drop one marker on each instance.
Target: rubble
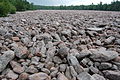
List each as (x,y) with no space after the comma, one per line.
(60,45)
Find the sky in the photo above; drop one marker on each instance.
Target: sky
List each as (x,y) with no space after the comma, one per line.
(67,2)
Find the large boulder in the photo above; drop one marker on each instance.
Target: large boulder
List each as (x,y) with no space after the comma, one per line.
(5,59)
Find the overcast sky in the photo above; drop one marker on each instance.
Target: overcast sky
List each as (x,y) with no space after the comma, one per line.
(67,2)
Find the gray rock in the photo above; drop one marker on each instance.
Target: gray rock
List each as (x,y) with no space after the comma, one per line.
(66,32)
(63,51)
(26,41)
(85,76)
(83,54)
(73,72)
(5,59)
(35,60)
(3,31)
(63,67)
(61,77)
(17,67)
(49,65)
(98,77)
(39,76)
(46,37)
(117,41)
(68,73)
(45,71)
(54,73)
(11,75)
(50,54)
(21,52)
(31,69)
(103,55)
(98,42)
(94,70)
(91,33)
(105,65)
(57,60)
(72,60)
(109,40)
(112,75)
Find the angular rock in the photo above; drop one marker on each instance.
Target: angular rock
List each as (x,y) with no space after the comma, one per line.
(5,59)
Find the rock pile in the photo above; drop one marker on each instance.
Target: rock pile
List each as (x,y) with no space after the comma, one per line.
(60,45)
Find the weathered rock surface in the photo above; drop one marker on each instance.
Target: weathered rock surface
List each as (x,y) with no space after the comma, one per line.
(5,59)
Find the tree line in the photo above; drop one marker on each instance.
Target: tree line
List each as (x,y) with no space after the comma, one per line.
(114,6)
(11,6)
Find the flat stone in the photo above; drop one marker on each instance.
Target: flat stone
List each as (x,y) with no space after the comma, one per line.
(103,55)
(5,59)
(39,76)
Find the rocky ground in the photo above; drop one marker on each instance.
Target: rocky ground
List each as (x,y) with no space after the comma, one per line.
(60,45)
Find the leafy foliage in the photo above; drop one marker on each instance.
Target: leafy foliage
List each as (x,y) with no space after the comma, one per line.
(11,6)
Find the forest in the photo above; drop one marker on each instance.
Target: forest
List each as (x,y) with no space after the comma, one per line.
(11,6)
(114,6)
